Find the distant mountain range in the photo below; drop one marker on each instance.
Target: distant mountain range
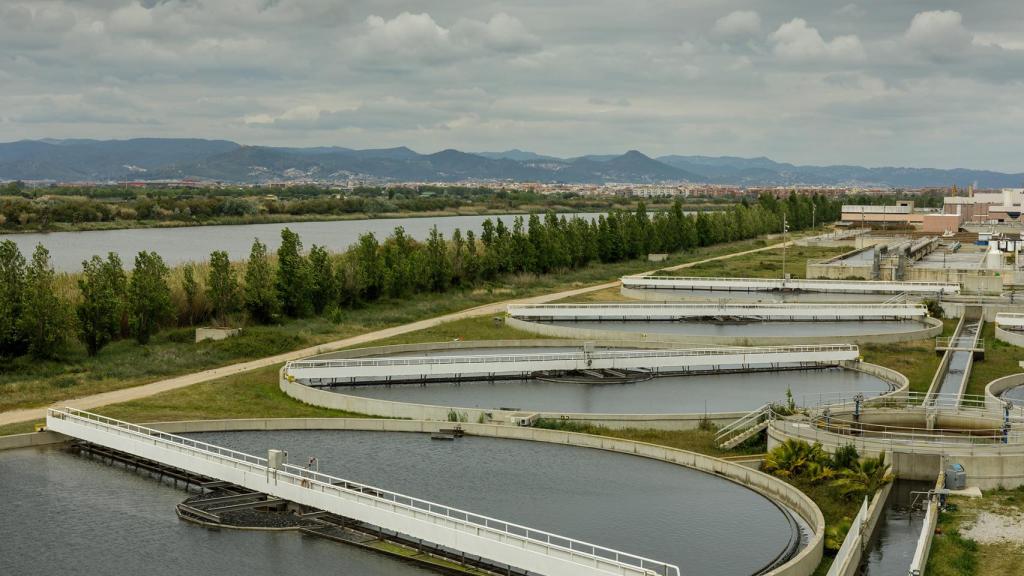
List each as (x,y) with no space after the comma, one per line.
(222,160)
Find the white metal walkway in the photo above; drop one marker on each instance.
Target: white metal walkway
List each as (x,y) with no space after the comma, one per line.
(727,310)
(773,284)
(432,367)
(519,546)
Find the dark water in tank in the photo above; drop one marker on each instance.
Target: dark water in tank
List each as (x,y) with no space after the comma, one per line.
(68,515)
(724,392)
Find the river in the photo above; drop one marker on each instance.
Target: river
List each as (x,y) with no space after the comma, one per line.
(194,243)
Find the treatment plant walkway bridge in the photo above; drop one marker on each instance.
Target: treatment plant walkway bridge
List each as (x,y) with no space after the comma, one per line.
(778,284)
(521,547)
(686,311)
(472,366)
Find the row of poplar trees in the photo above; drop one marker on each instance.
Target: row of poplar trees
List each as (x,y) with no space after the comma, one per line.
(107,303)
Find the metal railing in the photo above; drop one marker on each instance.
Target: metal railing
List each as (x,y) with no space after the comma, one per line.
(973,404)
(748,421)
(460,520)
(961,342)
(702,306)
(571,356)
(920,436)
(755,284)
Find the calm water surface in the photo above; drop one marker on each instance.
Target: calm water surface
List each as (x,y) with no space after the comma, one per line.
(726,392)
(178,245)
(106,521)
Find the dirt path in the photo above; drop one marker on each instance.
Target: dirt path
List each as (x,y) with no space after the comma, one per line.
(145,390)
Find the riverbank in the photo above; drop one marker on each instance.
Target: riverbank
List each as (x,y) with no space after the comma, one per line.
(471,210)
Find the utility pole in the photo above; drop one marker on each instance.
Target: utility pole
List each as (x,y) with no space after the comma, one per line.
(784,230)
(814,209)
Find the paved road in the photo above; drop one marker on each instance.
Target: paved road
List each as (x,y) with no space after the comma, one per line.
(145,390)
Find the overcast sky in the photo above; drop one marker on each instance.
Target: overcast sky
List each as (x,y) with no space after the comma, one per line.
(876,82)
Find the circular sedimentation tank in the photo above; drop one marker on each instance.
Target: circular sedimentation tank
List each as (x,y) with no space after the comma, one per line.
(676,399)
(657,509)
(705,332)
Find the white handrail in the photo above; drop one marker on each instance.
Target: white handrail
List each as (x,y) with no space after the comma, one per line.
(326,483)
(574,356)
(807,280)
(698,305)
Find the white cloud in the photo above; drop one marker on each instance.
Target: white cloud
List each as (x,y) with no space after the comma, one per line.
(737,24)
(795,40)
(418,38)
(131,18)
(502,33)
(409,35)
(938,33)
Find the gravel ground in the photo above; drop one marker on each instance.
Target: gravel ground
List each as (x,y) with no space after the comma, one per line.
(991,528)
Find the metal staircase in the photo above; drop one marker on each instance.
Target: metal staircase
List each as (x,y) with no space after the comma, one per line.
(746,427)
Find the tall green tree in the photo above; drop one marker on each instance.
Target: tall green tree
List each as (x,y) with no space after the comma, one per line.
(292,276)
(45,316)
(369,270)
(149,296)
(222,286)
(12,293)
(102,286)
(438,262)
(191,289)
(324,282)
(260,295)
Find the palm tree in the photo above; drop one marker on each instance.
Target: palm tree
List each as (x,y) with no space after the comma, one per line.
(793,457)
(864,477)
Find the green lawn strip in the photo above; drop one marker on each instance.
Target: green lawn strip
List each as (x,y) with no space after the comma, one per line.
(1001,359)
(767,264)
(27,383)
(916,360)
(953,554)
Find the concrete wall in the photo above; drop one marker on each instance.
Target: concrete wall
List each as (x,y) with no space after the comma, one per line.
(988,466)
(924,541)
(803,564)
(930,329)
(1009,336)
(859,536)
(996,387)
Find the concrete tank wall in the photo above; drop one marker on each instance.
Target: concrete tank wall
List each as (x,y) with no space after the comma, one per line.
(931,329)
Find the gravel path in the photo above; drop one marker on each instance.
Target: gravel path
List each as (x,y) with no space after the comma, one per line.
(992,528)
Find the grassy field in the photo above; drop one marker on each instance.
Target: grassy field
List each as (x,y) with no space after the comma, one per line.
(766,264)
(26,383)
(953,553)
(916,360)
